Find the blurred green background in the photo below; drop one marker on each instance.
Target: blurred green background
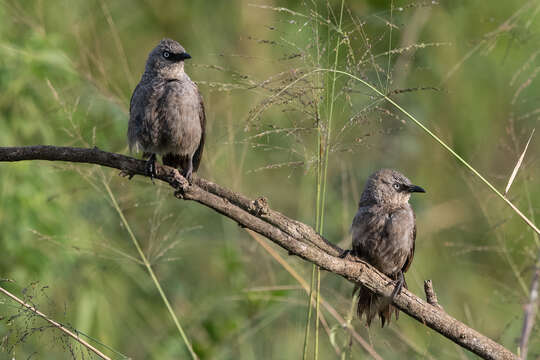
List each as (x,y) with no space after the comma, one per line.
(467,69)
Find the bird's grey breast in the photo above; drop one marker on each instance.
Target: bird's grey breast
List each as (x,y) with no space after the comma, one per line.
(383,237)
(180,115)
(164,116)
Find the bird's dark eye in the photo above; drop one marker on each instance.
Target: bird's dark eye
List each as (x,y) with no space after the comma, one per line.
(166,54)
(396,186)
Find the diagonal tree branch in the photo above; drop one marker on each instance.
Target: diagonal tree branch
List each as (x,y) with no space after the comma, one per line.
(297,238)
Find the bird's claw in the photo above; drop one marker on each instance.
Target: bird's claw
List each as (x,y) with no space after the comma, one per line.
(189,172)
(188,176)
(398,285)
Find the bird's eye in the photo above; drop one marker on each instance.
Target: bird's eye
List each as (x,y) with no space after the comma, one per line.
(396,186)
(166,54)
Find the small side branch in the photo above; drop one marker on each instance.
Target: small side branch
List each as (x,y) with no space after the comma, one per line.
(297,238)
(431,297)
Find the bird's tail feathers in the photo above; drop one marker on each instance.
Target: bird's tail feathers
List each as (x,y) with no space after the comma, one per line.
(372,305)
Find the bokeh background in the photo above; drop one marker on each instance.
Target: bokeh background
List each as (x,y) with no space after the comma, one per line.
(468,70)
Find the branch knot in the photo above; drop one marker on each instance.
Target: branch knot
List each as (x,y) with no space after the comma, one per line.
(259,206)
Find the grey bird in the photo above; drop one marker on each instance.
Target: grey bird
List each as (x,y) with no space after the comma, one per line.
(383,234)
(167,112)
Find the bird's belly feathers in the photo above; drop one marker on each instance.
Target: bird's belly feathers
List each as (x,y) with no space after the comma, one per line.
(184,129)
(173,124)
(389,257)
(382,240)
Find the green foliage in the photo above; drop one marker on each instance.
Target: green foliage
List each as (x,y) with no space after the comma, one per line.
(467,70)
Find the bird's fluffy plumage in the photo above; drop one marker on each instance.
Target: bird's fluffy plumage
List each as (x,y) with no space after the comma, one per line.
(383,234)
(166,110)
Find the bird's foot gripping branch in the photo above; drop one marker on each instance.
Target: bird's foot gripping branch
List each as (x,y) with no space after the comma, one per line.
(297,238)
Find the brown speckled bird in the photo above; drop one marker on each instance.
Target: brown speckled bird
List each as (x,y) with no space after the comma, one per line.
(383,234)
(167,112)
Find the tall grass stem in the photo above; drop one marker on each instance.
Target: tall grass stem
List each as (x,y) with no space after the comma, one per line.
(151,272)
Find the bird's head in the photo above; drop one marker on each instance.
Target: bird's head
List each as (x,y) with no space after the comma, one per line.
(167,59)
(388,187)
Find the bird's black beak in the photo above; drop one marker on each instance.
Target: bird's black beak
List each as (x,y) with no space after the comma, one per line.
(184,56)
(415,188)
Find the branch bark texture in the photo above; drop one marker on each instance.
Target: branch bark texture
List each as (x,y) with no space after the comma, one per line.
(297,238)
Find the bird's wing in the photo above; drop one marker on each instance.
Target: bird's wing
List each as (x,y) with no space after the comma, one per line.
(401,229)
(411,253)
(135,119)
(358,231)
(366,231)
(132,96)
(202,118)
